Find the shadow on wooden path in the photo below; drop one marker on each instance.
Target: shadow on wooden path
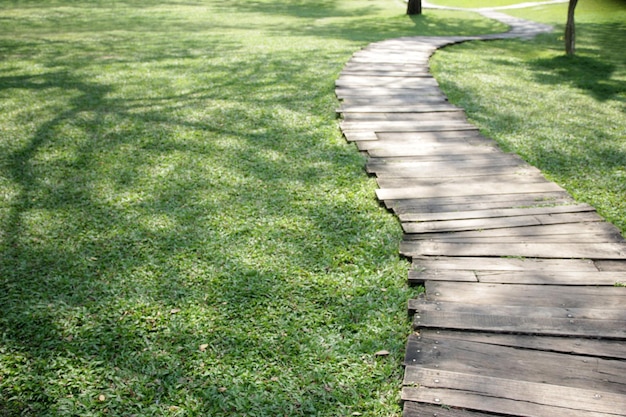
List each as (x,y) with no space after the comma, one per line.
(522,315)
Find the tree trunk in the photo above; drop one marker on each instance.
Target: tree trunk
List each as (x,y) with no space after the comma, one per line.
(414,7)
(570,29)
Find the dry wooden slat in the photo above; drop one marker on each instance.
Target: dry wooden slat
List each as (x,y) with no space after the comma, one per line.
(509,212)
(506,396)
(352,81)
(486,188)
(416,108)
(413,409)
(417,277)
(532,319)
(355,136)
(505,264)
(530,250)
(465,203)
(494,223)
(405,117)
(589,348)
(343,93)
(501,361)
(408,126)
(573,233)
(603,278)
(500,181)
(612,266)
(525,295)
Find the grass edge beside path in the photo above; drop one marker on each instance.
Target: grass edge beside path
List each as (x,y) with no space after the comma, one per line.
(183,230)
(562,115)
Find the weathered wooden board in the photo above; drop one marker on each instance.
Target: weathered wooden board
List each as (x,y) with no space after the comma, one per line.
(481,214)
(505,264)
(507,396)
(466,203)
(398,98)
(525,295)
(408,126)
(346,109)
(612,265)
(574,232)
(598,278)
(472,224)
(405,117)
(385,91)
(460,146)
(531,319)
(454,190)
(391,150)
(356,136)
(431,162)
(607,278)
(413,409)
(353,81)
(513,180)
(529,250)
(601,348)
(532,365)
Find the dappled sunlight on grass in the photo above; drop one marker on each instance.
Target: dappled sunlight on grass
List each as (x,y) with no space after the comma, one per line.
(183,230)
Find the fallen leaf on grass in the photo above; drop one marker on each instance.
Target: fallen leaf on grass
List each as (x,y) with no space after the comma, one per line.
(175,310)
(203,347)
(382,353)
(222,389)
(101,398)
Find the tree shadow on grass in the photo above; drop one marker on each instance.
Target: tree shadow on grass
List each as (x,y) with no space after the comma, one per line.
(127,207)
(590,69)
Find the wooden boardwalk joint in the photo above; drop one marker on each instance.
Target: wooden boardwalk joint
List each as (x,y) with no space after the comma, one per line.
(524,312)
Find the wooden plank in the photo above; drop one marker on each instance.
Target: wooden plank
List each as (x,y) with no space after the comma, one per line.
(355,81)
(418,277)
(506,396)
(525,295)
(435,137)
(455,190)
(468,162)
(393,99)
(494,360)
(415,108)
(529,250)
(612,265)
(508,212)
(590,348)
(383,151)
(450,170)
(345,92)
(531,319)
(465,203)
(603,278)
(407,126)
(355,136)
(496,223)
(499,181)
(413,409)
(575,232)
(405,117)
(505,264)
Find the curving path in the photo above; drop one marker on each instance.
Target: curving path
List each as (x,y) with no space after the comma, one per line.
(521,315)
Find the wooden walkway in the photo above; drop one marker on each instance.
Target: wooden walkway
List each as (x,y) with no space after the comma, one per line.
(522,313)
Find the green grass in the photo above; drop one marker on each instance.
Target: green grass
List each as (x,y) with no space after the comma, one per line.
(183,231)
(564,115)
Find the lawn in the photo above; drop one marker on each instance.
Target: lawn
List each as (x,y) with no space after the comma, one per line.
(564,115)
(183,231)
